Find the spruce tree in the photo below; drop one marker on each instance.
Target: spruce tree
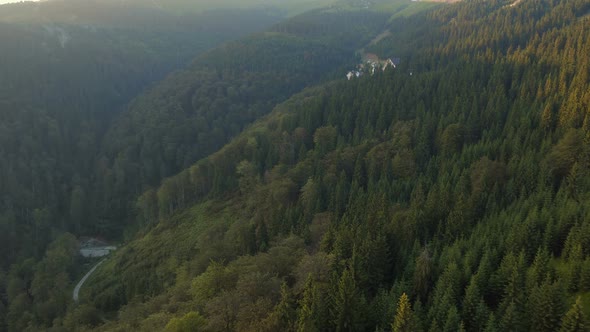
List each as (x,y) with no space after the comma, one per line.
(546,306)
(512,319)
(492,325)
(347,308)
(284,315)
(453,322)
(306,320)
(574,320)
(474,309)
(403,321)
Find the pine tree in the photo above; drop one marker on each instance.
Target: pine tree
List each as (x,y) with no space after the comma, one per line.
(445,294)
(381,311)
(418,315)
(423,273)
(492,325)
(512,319)
(453,322)
(574,320)
(546,306)
(306,320)
(474,308)
(539,269)
(284,315)
(547,117)
(585,276)
(347,312)
(403,321)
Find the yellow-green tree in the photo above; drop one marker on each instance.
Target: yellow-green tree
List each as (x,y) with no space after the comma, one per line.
(403,321)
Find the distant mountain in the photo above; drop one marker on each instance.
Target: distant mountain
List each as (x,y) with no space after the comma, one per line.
(101,11)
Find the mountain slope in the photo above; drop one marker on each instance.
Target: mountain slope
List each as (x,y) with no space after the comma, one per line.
(110,11)
(456,185)
(194,112)
(74,190)
(63,83)
(460,179)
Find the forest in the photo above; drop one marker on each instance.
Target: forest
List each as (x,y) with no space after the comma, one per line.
(63,84)
(259,190)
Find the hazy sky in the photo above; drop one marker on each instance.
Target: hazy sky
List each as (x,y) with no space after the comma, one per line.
(9,1)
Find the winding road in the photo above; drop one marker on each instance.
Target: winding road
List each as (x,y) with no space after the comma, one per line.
(76,294)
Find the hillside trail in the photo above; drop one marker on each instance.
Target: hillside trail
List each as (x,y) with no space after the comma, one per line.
(75,295)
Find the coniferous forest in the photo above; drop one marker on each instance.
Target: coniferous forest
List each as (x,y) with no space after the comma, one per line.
(256,188)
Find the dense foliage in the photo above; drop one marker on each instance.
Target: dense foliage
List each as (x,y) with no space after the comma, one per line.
(62,85)
(448,194)
(195,112)
(54,186)
(451,193)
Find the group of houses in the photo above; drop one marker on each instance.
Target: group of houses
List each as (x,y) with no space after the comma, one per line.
(370,64)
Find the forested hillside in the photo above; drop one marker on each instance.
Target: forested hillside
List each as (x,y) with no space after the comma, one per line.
(60,171)
(195,112)
(450,193)
(109,11)
(62,85)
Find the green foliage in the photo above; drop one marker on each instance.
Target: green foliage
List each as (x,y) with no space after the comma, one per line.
(347,311)
(191,322)
(193,113)
(403,321)
(452,139)
(547,306)
(447,185)
(284,316)
(574,319)
(83,316)
(307,318)
(566,153)
(475,311)
(69,69)
(38,292)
